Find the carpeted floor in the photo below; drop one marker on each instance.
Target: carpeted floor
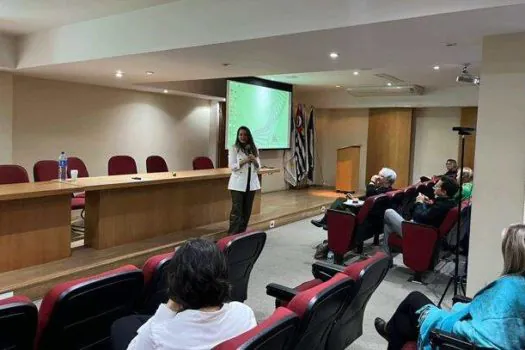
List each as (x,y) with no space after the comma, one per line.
(287,259)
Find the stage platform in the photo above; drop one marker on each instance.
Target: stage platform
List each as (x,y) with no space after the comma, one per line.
(277,208)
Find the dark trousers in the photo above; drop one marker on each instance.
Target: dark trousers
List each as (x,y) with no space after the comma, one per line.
(403,326)
(242,203)
(125,329)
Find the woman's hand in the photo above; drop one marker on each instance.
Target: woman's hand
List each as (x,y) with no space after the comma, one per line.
(252,158)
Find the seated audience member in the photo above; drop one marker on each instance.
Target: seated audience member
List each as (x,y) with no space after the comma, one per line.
(466,193)
(379,184)
(197,314)
(452,168)
(493,319)
(425,211)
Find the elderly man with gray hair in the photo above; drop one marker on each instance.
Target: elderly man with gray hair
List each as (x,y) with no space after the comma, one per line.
(379,184)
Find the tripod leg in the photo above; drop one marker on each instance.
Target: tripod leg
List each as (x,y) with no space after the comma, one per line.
(445,292)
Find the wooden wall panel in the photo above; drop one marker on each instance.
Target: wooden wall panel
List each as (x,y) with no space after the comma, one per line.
(389,142)
(469,118)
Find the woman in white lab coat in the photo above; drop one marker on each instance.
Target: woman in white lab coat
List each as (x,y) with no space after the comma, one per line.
(243,160)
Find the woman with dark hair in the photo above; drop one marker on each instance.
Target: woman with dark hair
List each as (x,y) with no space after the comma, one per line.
(243,160)
(494,319)
(197,314)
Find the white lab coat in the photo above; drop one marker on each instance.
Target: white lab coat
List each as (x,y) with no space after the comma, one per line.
(239,176)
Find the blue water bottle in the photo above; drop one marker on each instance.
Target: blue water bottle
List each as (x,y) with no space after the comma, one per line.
(62,167)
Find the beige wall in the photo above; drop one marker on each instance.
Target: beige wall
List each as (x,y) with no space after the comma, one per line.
(434,141)
(337,128)
(499,195)
(6,117)
(95,123)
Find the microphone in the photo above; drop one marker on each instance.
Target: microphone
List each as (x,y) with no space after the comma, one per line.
(248,149)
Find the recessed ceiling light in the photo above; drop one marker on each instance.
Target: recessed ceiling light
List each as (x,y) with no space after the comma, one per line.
(436,67)
(334,55)
(338,86)
(356,72)
(150,73)
(226,64)
(119,74)
(388,84)
(398,87)
(165,91)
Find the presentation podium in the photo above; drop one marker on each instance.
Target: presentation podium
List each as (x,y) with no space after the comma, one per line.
(347,171)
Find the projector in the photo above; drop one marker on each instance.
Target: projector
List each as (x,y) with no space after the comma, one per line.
(466,77)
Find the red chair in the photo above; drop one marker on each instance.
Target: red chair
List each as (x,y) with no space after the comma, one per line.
(347,231)
(122,165)
(367,275)
(79,314)
(18,320)
(241,251)
(419,243)
(396,199)
(201,163)
(156,164)
(317,307)
(155,283)
(45,170)
(77,164)
(275,333)
(13,174)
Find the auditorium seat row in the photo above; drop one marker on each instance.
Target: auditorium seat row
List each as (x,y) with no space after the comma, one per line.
(324,313)
(47,170)
(420,243)
(78,314)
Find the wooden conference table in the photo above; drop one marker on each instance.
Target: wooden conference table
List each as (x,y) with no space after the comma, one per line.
(35,218)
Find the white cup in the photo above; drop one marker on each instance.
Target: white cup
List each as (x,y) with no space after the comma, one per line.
(74,174)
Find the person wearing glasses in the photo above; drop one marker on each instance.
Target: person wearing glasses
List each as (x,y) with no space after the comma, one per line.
(426,211)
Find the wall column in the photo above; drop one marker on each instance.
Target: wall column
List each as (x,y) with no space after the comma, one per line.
(6,118)
(499,179)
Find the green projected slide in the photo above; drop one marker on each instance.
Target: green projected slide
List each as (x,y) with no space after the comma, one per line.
(265,111)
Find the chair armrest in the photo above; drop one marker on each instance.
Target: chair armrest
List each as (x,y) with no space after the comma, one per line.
(461,299)
(280,292)
(324,271)
(445,340)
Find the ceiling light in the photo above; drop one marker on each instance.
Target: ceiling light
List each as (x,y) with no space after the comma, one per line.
(356,73)
(388,84)
(165,91)
(150,73)
(334,55)
(119,74)
(436,67)
(338,86)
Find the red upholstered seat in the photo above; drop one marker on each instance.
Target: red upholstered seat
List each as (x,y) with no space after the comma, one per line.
(396,199)
(368,275)
(347,231)
(78,314)
(410,346)
(241,251)
(45,170)
(419,244)
(156,164)
(155,282)
(122,165)
(18,320)
(77,164)
(201,163)
(318,308)
(275,333)
(12,174)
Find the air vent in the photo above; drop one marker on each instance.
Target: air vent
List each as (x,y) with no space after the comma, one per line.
(372,91)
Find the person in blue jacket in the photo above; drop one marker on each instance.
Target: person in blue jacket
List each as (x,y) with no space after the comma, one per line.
(495,318)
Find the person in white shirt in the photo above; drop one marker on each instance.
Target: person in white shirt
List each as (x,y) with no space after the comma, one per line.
(197,315)
(243,160)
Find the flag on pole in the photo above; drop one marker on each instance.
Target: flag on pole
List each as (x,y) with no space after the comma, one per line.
(300,145)
(310,143)
(290,174)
